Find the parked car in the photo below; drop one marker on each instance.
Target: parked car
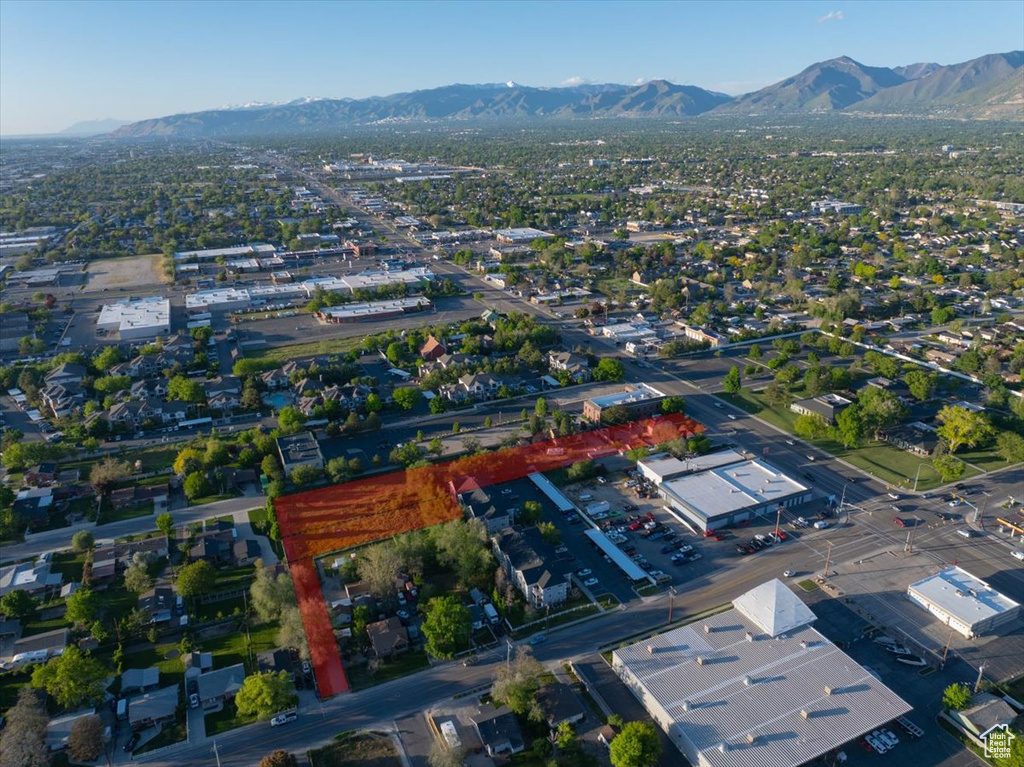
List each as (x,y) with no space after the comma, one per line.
(667,549)
(589,582)
(821,524)
(280,719)
(584,572)
(1017,554)
(133,741)
(899,522)
(537,639)
(788,573)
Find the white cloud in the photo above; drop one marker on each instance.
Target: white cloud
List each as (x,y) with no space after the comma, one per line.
(575,80)
(831,16)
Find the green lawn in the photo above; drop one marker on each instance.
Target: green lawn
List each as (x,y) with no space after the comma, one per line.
(231,648)
(172,670)
(172,732)
(229,578)
(220,609)
(887,463)
(212,498)
(69,565)
(261,523)
(309,349)
(109,514)
(402,665)
(226,719)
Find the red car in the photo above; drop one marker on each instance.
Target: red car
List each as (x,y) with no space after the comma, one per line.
(635,526)
(782,535)
(899,522)
(709,533)
(718,537)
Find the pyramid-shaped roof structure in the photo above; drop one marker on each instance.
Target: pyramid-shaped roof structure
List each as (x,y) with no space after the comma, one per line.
(774,608)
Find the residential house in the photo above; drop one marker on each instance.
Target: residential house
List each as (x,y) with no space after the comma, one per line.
(479,505)
(274,661)
(149,388)
(223,402)
(498,730)
(160,604)
(62,399)
(216,547)
(275,379)
(916,437)
(478,386)
(826,406)
(58,730)
(42,475)
(560,704)
(245,552)
(985,712)
(33,504)
(530,563)
(220,685)
(66,373)
(140,679)
(575,365)
(153,708)
(388,637)
(33,578)
(197,663)
(432,349)
(132,413)
(39,647)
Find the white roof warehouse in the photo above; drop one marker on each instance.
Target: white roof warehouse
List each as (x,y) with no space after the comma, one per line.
(725,495)
(963,602)
(755,686)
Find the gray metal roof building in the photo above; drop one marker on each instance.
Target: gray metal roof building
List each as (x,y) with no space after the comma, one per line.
(755,686)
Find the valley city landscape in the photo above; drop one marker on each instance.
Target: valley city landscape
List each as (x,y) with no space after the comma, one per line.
(542,413)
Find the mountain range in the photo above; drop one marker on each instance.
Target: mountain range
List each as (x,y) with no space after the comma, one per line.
(989,87)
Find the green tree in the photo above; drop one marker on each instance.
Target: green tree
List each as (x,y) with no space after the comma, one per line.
(290,419)
(920,384)
(18,604)
(263,695)
(407,397)
(516,685)
(949,467)
(165,524)
(137,578)
(551,534)
(849,426)
(85,741)
(291,632)
(107,473)
(378,566)
(447,626)
(196,485)
(565,736)
(673,405)
(106,359)
(960,426)
(188,460)
(438,405)
(732,383)
(271,593)
(196,579)
(1010,446)
(810,426)
(581,470)
(306,475)
(185,389)
(637,745)
(541,407)
(82,541)
(530,514)
(609,369)
(71,678)
(216,453)
(82,607)
(957,696)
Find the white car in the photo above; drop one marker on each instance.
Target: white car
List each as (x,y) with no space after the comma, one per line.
(889,737)
(821,524)
(788,573)
(1018,554)
(590,582)
(584,572)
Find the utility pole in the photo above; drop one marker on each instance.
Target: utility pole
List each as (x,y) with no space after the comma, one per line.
(945,649)
(216,753)
(828,559)
(977,682)
(671,602)
(909,548)
(778,520)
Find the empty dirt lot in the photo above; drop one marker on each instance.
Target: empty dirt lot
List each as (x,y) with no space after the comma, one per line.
(124,273)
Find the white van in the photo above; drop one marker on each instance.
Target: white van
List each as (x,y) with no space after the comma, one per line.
(586,497)
(964,532)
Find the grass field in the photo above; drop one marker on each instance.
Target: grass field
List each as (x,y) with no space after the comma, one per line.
(226,719)
(887,463)
(402,665)
(231,648)
(281,354)
(358,749)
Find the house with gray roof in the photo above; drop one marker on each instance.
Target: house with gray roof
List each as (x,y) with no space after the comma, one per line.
(220,685)
(153,707)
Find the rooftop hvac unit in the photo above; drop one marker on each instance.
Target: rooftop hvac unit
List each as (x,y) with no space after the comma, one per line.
(700,660)
(828,690)
(751,738)
(707,629)
(747,681)
(805,713)
(650,649)
(750,636)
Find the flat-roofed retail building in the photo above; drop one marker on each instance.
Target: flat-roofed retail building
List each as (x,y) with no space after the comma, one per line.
(726,495)
(755,686)
(964,603)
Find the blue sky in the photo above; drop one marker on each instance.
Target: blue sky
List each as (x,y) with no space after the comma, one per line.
(61,62)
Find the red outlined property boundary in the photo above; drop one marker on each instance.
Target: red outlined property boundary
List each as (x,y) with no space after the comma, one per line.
(329,519)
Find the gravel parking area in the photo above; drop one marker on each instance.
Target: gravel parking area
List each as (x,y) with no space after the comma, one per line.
(134,273)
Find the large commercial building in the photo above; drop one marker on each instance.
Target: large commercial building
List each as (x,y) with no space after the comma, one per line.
(239,251)
(137,320)
(755,686)
(520,236)
(964,603)
(726,495)
(641,400)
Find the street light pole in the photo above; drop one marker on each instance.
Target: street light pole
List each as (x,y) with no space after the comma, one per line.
(828,559)
(918,475)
